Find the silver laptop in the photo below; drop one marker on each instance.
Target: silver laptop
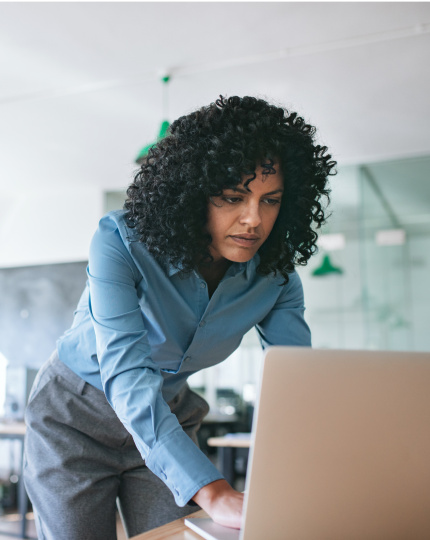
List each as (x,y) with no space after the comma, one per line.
(340,449)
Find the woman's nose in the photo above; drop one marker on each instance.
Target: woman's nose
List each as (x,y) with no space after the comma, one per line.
(251,215)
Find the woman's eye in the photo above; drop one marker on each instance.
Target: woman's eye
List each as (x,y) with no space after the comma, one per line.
(232,200)
(272,201)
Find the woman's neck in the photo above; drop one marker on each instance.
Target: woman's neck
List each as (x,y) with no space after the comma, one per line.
(214,273)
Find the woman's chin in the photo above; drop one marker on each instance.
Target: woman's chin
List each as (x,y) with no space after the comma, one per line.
(242,256)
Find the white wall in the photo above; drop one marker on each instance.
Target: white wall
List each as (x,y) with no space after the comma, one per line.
(43,226)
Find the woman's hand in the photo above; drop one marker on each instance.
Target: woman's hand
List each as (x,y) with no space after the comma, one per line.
(222,502)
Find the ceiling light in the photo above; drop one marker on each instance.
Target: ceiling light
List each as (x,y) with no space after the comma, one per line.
(332,242)
(326,268)
(164,124)
(390,237)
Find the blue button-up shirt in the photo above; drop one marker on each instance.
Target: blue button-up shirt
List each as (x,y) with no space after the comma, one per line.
(141,329)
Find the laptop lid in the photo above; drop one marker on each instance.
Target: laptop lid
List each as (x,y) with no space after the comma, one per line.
(342,447)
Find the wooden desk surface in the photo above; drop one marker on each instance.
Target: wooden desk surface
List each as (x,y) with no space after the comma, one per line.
(12,428)
(176,530)
(232,442)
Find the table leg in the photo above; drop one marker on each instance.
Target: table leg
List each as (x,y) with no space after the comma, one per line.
(226,462)
(22,497)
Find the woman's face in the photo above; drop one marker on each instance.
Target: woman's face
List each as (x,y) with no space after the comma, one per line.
(242,220)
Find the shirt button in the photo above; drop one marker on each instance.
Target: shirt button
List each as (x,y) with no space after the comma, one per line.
(202,323)
(202,285)
(187,359)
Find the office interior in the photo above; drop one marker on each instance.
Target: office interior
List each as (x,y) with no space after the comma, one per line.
(84,90)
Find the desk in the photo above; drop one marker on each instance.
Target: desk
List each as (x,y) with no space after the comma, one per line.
(227,452)
(176,530)
(11,431)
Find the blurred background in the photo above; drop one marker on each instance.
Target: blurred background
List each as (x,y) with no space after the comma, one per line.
(86,86)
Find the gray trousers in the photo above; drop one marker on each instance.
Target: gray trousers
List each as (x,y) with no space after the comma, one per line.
(79,459)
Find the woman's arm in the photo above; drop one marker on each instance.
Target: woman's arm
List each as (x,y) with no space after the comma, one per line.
(285,323)
(132,381)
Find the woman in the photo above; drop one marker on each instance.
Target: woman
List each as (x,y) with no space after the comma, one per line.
(205,249)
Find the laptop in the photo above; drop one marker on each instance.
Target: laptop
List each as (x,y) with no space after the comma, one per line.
(340,449)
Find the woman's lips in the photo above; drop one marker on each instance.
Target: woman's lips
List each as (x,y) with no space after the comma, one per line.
(246,242)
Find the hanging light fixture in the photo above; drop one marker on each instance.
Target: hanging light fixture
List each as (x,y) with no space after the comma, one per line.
(164,124)
(326,268)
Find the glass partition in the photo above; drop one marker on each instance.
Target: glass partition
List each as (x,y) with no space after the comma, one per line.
(381,298)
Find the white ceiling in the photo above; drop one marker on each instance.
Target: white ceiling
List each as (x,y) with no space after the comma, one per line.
(370,101)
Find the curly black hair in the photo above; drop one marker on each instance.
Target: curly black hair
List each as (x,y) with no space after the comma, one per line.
(210,149)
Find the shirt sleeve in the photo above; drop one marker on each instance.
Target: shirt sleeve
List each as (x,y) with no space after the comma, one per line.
(131,380)
(285,323)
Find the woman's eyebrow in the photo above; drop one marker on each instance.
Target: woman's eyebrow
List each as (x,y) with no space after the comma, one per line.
(273,192)
(240,190)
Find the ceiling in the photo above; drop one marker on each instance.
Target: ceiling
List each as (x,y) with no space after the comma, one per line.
(80,90)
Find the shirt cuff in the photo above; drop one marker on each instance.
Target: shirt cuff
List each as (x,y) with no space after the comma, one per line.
(182,466)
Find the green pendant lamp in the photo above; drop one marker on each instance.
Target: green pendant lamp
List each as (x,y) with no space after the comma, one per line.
(326,268)
(163,128)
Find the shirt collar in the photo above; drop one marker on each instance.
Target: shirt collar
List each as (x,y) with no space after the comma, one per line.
(250,266)
(172,270)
